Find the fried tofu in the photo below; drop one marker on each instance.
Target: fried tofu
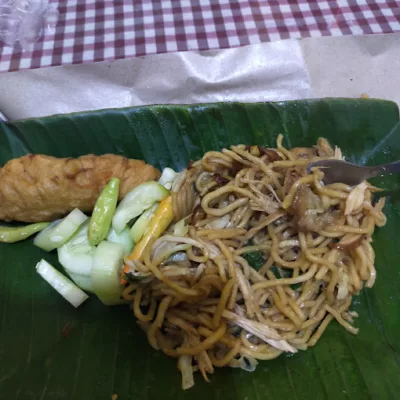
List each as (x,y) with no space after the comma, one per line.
(37,187)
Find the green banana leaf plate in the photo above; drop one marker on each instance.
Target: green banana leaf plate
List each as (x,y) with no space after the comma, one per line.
(50,351)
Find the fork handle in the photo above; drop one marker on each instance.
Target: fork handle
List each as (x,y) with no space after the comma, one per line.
(386,169)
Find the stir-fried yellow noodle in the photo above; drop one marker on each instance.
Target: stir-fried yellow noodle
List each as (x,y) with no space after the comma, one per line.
(265,258)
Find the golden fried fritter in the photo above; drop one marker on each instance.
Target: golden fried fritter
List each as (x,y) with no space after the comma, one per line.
(37,187)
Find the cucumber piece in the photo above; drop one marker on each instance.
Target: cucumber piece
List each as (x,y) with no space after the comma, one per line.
(124,238)
(83,281)
(57,233)
(107,265)
(136,201)
(61,284)
(139,227)
(76,256)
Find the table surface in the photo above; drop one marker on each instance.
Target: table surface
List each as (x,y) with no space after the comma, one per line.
(92,30)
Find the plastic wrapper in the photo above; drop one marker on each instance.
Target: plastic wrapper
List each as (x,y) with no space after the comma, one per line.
(22,22)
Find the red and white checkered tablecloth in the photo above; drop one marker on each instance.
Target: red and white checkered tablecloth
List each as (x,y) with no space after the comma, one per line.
(93,30)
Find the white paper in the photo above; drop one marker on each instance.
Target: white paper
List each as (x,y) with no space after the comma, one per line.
(353,65)
(271,71)
(284,70)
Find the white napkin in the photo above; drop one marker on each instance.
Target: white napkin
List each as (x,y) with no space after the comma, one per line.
(290,69)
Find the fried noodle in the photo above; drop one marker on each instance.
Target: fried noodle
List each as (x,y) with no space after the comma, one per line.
(201,302)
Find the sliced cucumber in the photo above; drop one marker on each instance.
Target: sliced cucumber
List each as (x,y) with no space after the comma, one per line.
(76,256)
(167,178)
(62,284)
(136,201)
(83,281)
(57,233)
(124,238)
(139,227)
(107,264)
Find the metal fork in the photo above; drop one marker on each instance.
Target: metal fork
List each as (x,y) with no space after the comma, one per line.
(352,174)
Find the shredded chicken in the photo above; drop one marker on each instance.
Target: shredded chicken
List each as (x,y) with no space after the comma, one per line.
(356,198)
(323,148)
(262,331)
(265,202)
(304,152)
(338,154)
(292,175)
(349,242)
(185,366)
(343,285)
(309,212)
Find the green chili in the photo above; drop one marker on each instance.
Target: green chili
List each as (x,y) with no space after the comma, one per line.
(11,234)
(103,212)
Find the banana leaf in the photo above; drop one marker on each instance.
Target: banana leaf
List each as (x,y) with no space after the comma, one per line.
(49,351)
